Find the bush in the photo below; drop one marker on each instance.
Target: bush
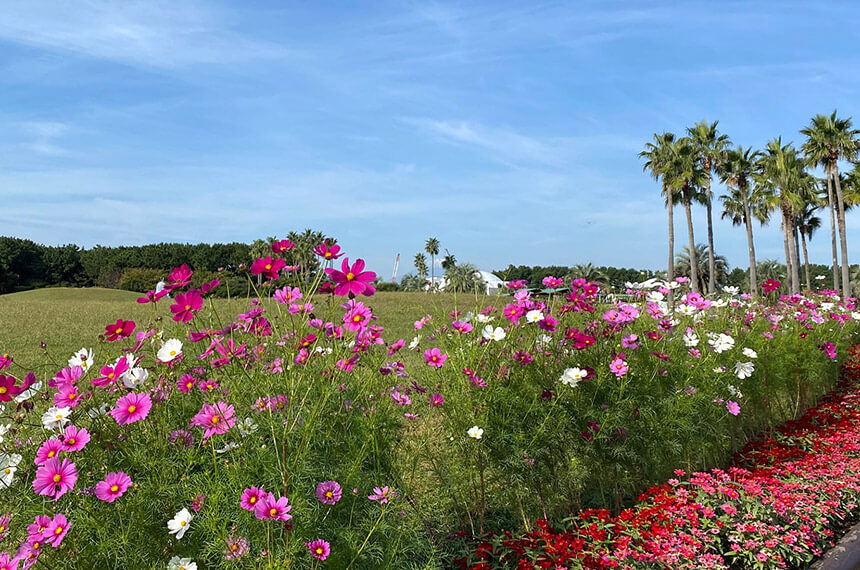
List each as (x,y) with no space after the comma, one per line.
(140,279)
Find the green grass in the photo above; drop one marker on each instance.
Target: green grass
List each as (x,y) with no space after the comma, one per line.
(66,319)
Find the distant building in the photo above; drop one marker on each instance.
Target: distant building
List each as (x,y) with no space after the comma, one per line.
(492,283)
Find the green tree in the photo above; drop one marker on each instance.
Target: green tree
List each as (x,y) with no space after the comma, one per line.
(658,158)
(829,138)
(687,178)
(711,147)
(736,172)
(420,263)
(721,266)
(432,248)
(806,223)
(464,278)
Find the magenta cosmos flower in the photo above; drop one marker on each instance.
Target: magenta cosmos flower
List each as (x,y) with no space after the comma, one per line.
(274,509)
(329,492)
(56,530)
(382,495)
(48,450)
(352,280)
(319,548)
(113,486)
(282,246)
(118,330)
(55,478)
(250,497)
(328,251)
(186,306)
(268,267)
(214,418)
(434,357)
(131,408)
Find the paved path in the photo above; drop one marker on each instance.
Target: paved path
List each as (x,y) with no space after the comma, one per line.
(844,556)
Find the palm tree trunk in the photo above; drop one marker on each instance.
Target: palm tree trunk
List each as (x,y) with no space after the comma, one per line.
(670,270)
(694,270)
(843,239)
(787,247)
(748,224)
(432,272)
(792,251)
(712,270)
(831,208)
(806,261)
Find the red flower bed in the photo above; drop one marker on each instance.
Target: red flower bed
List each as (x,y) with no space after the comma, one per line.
(777,507)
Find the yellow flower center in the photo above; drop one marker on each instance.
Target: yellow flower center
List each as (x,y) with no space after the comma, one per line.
(72,396)
(59,416)
(319,550)
(356,318)
(59,530)
(51,453)
(2,528)
(111,375)
(118,330)
(234,547)
(183,523)
(172,353)
(71,441)
(273,512)
(36,545)
(187,307)
(252,500)
(268,266)
(132,409)
(7,470)
(2,389)
(350,276)
(114,488)
(329,494)
(189,385)
(327,254)
(57,478)
(215,419)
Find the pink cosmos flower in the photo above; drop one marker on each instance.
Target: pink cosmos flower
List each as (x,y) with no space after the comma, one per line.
(327,250)
(733,407)
(352,280)
(179,277)
(7,563)
(462,327)
(113,486)
(287,295)
(237,548)
(516,285)
(250,497)
(329,492)
(55,478)
(185,383)
(282,246)
(618,367)
(552,282)
(437,400)
(110,374)
(131,408)
(382,495)
(152,296)
(214,419)
(357,317)
(770,285)
(67,396)
(319,548)
(57,530)
(118,330)
(186,306)
(9,390)
(68,375)
(274,509)
(38,527)
(434,357)
(268,267)
(74,438)
(48,450)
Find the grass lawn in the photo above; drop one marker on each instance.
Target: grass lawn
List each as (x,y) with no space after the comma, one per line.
(66,319)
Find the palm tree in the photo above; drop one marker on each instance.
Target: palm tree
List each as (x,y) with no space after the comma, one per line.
(736,173)
(657,157)
(782,172)
(806,222)
(588,272)
(711,147)
(411,282)
(448,261)
(687,177)
(464,278)
(828,140)
(432,247)
(420,263)
(721,266)
(771,269)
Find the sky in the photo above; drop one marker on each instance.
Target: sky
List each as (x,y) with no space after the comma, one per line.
(510,131)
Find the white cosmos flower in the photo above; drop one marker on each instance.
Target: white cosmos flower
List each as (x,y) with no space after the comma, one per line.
(721,343)
(731,290)
(414,342)
(572,376)
(8,466)
(134,377)
(82,358)
(482,318)
(56,418)
(543,339)
(734,391)
(247,427)
(101,411)
(180,523)
(475,432)
(686,309)
(655,296)
(534,316)
(3,430)
(491,333)
(690,339)
(169,350)
(719,303)
(177,563)
(229,446)
(744,369)
(827,306)
(750,353)
(468,317)
(855,315)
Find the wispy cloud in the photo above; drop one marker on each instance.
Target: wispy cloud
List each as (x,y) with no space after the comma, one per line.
(148,33)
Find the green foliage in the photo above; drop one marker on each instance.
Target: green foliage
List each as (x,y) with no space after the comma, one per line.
(140,279)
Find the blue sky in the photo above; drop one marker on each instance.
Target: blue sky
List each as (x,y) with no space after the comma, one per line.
(508,130)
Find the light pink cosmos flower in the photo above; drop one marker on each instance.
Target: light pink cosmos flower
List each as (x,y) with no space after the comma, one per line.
(113,486)
(618,367)
(55,478)
(186,306)
(274,509)
(287,295)
(68,375)
(352,280)
(74,438)
(214,419)
(434,357)
(382,495)
(733,407)
(131,408)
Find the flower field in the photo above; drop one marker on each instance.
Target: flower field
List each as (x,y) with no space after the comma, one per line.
(300,433)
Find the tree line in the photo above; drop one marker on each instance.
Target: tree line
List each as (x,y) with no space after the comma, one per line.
(777,181)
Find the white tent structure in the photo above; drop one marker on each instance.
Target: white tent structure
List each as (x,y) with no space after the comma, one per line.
(492,283)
